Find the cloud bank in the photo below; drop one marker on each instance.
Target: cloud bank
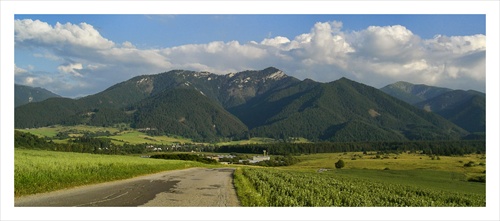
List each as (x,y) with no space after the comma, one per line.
(377,56)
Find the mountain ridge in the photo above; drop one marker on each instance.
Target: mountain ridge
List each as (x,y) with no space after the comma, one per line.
(249,103)
(466,109)
(413,93)
(24,94)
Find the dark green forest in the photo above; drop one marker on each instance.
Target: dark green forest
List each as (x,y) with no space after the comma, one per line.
(443,148)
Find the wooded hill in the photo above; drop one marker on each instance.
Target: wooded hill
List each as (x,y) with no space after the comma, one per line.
(466,109)
(25,94)
(266,103)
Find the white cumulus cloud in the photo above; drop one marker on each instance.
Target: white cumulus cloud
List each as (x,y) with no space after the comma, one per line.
(19,71)
(28,31)
(71,69)
(276,41)
(377,56)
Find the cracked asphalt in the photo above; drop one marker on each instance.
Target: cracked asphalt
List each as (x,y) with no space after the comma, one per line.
(194,187)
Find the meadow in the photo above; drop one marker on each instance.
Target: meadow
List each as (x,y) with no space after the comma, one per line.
(119,134)
(396,162)
(77,130)
(123,134)
(38,171)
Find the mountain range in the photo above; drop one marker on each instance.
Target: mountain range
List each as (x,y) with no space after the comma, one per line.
(26,94)
(466,109)
(264,103)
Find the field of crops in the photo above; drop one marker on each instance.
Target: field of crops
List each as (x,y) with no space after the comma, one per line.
(37,171)
(280,188)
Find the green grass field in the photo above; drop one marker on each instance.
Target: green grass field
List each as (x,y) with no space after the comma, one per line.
(356,160)
(53,130)
(136,137)
(425,179)
(38,171)
(132,136)
(253,140)
(126,136)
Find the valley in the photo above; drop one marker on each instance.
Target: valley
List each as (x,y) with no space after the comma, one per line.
(282,139)
(404,179)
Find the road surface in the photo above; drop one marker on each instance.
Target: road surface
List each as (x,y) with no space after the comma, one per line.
(194,187)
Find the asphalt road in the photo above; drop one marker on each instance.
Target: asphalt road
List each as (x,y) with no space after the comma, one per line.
(194,187)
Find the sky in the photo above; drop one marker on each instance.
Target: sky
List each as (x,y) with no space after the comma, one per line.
(78,55)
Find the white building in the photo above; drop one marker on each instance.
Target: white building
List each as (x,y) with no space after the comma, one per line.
(257,159)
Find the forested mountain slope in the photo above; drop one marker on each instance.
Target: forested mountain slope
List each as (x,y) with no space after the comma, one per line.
(266,103)
(25,94)
(466,109)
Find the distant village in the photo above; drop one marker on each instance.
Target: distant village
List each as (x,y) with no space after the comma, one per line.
(221,158)
(231,159)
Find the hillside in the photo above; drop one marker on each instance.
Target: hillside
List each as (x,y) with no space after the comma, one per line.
(26,94)
(413,93)
(265,103)
(188,113)
(342,110)
(466,109)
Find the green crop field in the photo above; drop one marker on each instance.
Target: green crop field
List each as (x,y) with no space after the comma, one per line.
(390,180)
(275,187)
(37,171)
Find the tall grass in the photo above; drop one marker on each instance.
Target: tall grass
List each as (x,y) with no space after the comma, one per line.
(37,171)
(245,190)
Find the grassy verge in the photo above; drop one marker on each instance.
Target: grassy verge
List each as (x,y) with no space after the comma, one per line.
(37,171)
(245,191)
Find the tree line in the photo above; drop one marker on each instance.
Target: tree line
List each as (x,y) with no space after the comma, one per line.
(443,148)
(86,144)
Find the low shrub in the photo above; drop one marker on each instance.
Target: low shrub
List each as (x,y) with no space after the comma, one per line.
(469,164)
(479,179)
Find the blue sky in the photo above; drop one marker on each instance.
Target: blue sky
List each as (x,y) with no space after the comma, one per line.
(97,51)
(173,30)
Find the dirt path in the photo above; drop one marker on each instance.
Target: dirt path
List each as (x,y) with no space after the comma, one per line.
(190,187)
